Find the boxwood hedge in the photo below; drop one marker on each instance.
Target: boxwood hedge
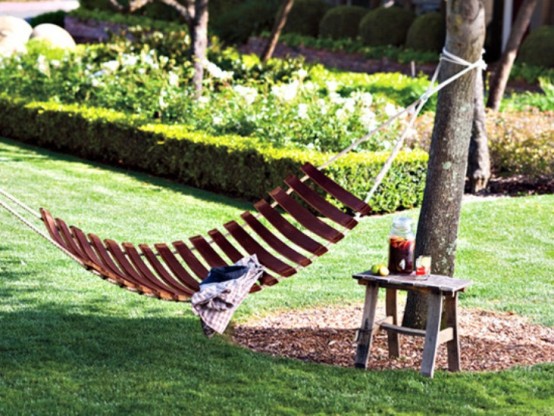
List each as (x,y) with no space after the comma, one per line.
(232,165)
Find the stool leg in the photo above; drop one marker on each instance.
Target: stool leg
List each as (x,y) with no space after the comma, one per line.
(451,321)
(366,330)
(434,311)
(391,310)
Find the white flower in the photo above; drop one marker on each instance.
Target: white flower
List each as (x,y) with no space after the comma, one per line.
(368,119)
(203,100)
(249,94)
(42,65)
(301,74)
(129,60)
(173,79)
(217,120)
(390,110)
(54,63)
(332,86)
(322,106)
(110,66)
(349,105)
(302,111)
(216,72)
(285,92)
(366,99)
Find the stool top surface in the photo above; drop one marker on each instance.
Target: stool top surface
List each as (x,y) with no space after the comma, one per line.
(433,282)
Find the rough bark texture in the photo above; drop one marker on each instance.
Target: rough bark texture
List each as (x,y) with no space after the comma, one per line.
(500,79)
(280,22)
(440,211)
(199,42)
(479,164)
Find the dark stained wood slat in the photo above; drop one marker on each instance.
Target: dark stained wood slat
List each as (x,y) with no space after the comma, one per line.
(274,242)
(253,247)
(71,243)
(188,256)
(305,217)
(162,272)
(207,252)
(181,274)
(109,264)
(289,230)
(96,262)
(317,202)
(51,227)
(119,256)
(334,189)
(225,245)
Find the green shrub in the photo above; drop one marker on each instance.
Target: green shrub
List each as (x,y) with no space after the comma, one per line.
(246,19)
(199,159)
(427,33)
(56,18)
(386,26)
(537,49)
(342,22)
(305,16)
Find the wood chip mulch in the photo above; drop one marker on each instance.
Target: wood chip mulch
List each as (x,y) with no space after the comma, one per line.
(489,341)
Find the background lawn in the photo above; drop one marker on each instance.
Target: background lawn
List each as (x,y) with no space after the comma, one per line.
(73,344)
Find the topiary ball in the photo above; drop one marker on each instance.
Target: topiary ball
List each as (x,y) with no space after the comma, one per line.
(342,22)
(427,33)
(538,48)
(386,26)
(305,16)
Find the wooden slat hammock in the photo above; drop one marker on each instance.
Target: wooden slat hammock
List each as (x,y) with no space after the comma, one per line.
(174,272)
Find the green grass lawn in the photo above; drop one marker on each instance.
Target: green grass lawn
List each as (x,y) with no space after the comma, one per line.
(71,344)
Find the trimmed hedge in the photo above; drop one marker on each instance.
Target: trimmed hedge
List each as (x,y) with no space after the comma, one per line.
(225,164)
(342,22)
(386,26)
(427,33)
(305,16)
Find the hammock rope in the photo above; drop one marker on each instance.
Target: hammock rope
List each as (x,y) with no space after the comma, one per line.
(413,110)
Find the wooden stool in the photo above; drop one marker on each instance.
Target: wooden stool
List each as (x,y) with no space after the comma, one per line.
(438,288)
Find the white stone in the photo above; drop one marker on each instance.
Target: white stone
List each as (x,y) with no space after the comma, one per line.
(55,35)
(14,34)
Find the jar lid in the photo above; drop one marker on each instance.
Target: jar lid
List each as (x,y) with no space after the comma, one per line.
(402,224)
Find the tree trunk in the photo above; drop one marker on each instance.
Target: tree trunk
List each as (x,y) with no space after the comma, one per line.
(479,165)
(280,22)
(500,79)
(199,44)
(447,166)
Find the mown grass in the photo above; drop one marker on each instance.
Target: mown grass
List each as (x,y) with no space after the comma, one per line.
(73,344)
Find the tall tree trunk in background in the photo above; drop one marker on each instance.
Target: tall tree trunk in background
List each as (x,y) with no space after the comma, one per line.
(199,43)
(440,212)
(500,79)
(280,22)
(479,164)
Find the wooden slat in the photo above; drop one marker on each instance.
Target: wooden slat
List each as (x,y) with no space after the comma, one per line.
(253,247)
(188,256)
(334,189)
(207,252)
(163,291)
(72,244)
(162,272)
(178,270)
(225,245)
(317,202)
(273,241)
(289,230)
(51,227)
(96,262)
(305,217)
(109,264)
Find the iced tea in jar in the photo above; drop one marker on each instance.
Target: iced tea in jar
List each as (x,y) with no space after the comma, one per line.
(401,246)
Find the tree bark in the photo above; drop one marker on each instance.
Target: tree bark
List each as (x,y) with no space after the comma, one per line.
(199,44)
(447,166)
(500,78)
(280,22)
(479,165)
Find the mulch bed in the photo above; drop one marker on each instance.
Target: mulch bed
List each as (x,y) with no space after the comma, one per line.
(490,341)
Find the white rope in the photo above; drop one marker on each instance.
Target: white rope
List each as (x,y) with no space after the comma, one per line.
(39,232)
(18,202)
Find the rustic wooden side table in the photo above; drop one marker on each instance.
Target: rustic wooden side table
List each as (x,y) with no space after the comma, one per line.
(441,290)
